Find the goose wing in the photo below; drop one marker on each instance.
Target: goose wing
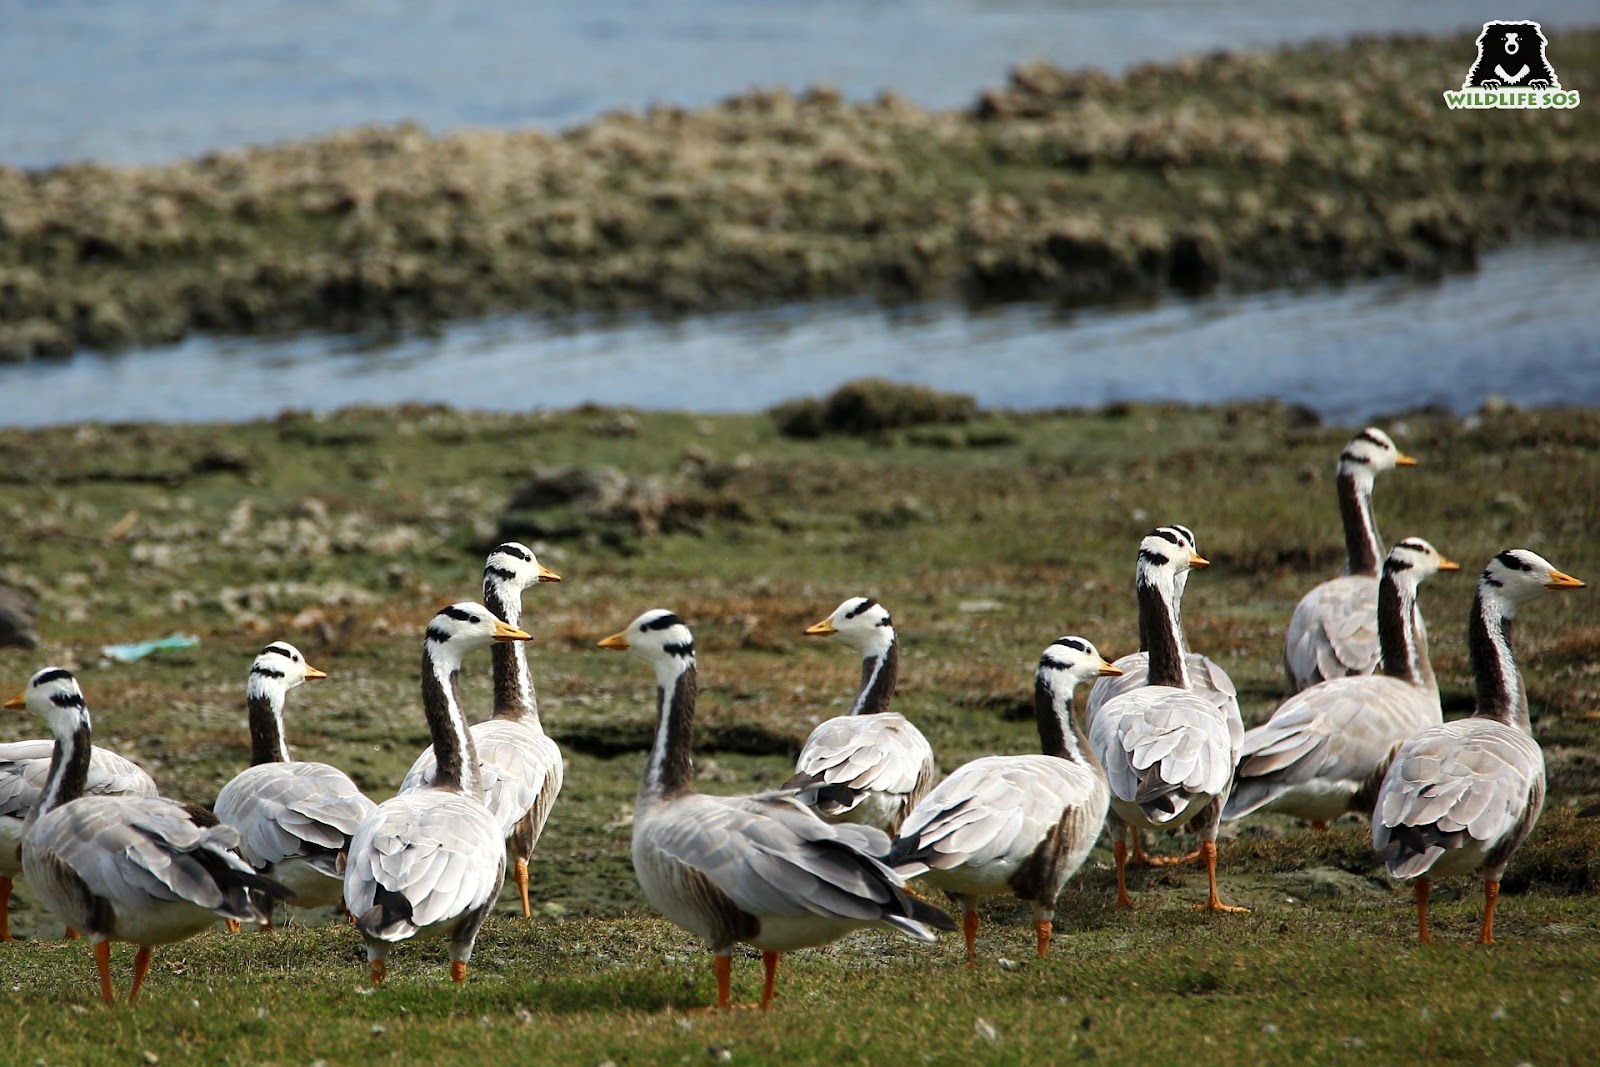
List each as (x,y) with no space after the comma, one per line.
(141,851)
(994,810)
(1333,632)
(885,753)
(522,771)
(771,856)
(1469,783)
(1158,742)
(1206,679)
(293,810)
(423,857)
(1344,729)
(24,765)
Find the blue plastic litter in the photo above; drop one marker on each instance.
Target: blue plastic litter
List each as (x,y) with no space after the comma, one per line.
(140,649)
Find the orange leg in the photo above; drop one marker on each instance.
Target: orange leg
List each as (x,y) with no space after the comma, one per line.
(458,971)
(70,934)
(1319,825)
(1208,851)
(769,961)
(1041,933)
(723,966)
(141,967)
(1174,861)
(377,971)
(1491,893)
(1420,888)
(969,926)
(102,963)
(267,926)
(1139,859)
(5,909)
(1120,851)
(233,926)
(521,875)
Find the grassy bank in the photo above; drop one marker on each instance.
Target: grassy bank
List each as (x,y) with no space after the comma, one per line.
(986,537)
(1305,163)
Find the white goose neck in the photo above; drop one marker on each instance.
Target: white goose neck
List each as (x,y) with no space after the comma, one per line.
(514,695)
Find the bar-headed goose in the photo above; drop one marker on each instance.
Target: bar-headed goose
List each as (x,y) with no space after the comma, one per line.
(763,869)
(1168,751)
(124,868)
(869,765)
(294,819)
(1206,678)
(24,767)
(521,764)
(1464,795)
(430,863)
(1016,824)
(1334,629)
(1325,750)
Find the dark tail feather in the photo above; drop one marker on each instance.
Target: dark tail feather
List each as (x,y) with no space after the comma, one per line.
(390,912)
(938,918)
(813,792)
(248,895)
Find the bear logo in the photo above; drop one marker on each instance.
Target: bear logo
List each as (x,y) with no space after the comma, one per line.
(1511,56)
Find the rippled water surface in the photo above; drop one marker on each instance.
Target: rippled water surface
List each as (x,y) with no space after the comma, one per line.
(1525,327)
(137,80)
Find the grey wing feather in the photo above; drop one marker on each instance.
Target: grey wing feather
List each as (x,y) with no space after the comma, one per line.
(135,850)
(1159,737)
(442,852)
(992,809)
(25,764)
(1345,729)
(771,856)
(522,771)
(1206,679)
(879,752)
(1333,631)
(292,810)
(1472,777)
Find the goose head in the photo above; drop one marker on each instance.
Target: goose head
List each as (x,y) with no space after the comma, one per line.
(1070,661)
(463,628)
(658,637)
(54,696)
(1415,559)
(860,622)
(1373,451)
(1169,551)
(514,565)
(280,667)
(1517,576)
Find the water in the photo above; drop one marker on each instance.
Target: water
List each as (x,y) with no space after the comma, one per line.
(144,81)
(140,82)
(1523,327)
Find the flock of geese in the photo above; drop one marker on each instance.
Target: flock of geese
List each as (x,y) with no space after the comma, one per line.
(1162,746)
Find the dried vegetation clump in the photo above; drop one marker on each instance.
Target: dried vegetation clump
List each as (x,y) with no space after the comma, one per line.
(871,406)
(1308,163)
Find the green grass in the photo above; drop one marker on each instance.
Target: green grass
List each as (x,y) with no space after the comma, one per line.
(362,524)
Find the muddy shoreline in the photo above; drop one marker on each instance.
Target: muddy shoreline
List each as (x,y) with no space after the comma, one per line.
(1304,164)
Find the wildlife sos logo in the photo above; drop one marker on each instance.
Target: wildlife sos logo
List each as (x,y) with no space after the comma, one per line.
(1511,71)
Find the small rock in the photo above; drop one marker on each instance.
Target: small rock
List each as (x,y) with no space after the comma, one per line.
(378,1029)
(974,607)
(1010,965)
(985,1029)
(720,1053)
(151,1057)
